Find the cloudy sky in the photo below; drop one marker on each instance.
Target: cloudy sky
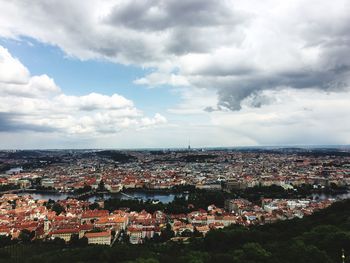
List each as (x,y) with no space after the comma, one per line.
(158,73)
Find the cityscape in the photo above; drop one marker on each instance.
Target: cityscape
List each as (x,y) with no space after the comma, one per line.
(174,131)
(66,194)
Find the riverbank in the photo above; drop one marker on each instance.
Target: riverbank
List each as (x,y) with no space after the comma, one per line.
(131,195)
(168,195)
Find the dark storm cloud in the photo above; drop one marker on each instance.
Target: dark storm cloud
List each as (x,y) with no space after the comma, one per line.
(156,15)
(187,24)
(8,123)
(233,92)
(187,41)
(238,82)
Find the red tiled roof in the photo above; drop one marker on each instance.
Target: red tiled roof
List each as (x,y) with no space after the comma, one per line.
(95,213)
(86,227)
(98,234)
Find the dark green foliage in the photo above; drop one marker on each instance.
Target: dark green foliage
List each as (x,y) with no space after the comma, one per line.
(26,236)
(101,186)
(196,199)
(57,208)
(4,167)
(5,241)
(166,234)
(317,238)
(8,187)
(75,241)
(85,189)
(251,252)
(94,206)
(134,205)
(117,156)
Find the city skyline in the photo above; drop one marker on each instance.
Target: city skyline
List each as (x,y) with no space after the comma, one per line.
(154,74)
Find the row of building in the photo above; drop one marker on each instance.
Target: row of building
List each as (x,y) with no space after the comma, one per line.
(103,227)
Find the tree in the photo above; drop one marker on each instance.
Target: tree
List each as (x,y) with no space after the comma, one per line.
(5,241)
(146,260)
(57,208)
(94,206)
(101,186)
(195,257)
(58,241)
(75,241)
(5,255)
(13,204)
(166,233)
(196,233)
(251,252)
(306,253)
(26,236)
(86,188)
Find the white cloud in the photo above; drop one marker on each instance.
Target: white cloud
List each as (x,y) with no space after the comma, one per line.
(245,70)
(11,70)
(36,103)
(194,101)
(296,117)
(94,101)
(15,79)
(162,78)
(157,119)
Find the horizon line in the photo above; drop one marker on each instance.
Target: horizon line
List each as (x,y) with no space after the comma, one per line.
(285,146)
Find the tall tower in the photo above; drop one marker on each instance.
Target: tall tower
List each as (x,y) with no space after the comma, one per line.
(343,256)
(262,202)
(46,225)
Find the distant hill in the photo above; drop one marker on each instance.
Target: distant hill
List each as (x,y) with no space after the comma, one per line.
(117,156)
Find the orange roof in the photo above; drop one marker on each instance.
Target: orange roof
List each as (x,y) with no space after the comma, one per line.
(86,227)
(95,213)
(5,229)
(112,219)
(202,228)
(134,229)
(98,234)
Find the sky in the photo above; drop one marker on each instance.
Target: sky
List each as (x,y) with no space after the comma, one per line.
(163,73)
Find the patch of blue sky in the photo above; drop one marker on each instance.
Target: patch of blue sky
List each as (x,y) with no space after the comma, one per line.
(77,77)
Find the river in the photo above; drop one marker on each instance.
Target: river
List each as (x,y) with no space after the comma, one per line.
(163,197)
(322,196)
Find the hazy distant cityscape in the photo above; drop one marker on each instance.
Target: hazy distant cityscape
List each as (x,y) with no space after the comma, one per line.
(70,193)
